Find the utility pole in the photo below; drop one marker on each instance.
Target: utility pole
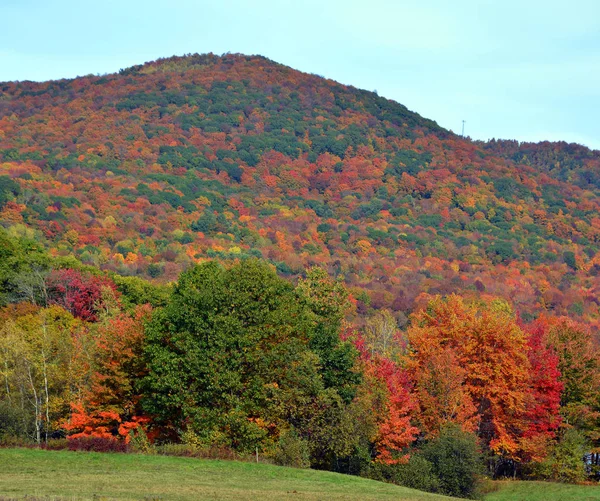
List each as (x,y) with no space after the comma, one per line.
(463,128)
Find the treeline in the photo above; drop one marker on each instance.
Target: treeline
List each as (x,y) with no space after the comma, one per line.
(235,358)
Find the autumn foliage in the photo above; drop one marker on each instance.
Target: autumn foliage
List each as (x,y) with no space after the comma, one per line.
(226,252)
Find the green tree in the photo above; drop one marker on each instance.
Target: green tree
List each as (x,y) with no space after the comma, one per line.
(37,360)
(228,355)
(328,303)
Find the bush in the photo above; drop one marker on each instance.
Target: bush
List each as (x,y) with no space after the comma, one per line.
(417,474)
(180,450)
(292,451)
(138,442)
(565,461)
(11,421)
(97,444)
(191,451)
(57,444)
(455,461)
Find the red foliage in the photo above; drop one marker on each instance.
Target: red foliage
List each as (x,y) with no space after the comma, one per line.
(542,413)
(78,293)
(109,407)
(395,431)
(97,444)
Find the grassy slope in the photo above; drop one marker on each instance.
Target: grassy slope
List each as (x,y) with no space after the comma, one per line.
(544,491)
(128,476)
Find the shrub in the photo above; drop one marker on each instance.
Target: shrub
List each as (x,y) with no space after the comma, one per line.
(57,444)
(455,461)
(11,421)
(292,451)
(565,461)
(97,444)
(138,442)
(191,451)
(417,474)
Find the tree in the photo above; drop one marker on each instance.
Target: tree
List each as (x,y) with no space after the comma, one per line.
(327,300)
(488,345)
(440,388)
(579,366)
(542,414)
(230,358)
(384,406)
(24,266)
(109,404)
(38,360)
(84,295)
(380,334)
(396,432)
(565,463)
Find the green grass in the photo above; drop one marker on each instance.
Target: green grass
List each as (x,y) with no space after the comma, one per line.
(86,475)
(543,491)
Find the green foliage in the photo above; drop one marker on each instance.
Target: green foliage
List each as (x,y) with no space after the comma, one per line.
(9,189)
(455,461)
(449,464)
(207,223)
(229,357)
(292,451)
(138,442)
(136,291)
(12,419)
(569,258)
(24,265)
(417,474)
(565,461)
(328,302)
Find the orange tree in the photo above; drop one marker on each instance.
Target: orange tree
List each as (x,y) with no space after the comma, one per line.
(470,365)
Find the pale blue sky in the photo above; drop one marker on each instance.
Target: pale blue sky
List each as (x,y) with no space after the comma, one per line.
(528,70)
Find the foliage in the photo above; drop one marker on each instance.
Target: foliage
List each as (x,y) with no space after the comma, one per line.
(417,473)
(85,296)
(485,351)
(230,358)
(240,156)
(97,444)
(489,252)
(564,463)
(292,451)
(455,460)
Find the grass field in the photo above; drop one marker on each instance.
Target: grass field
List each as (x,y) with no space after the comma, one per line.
(544,491)
(98,477)
(83,475)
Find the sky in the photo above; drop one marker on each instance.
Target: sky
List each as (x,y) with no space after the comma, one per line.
(526,70)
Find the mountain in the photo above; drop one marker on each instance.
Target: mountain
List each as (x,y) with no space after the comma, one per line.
(187,158)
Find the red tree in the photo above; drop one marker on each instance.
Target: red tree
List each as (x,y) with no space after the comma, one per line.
(81,294)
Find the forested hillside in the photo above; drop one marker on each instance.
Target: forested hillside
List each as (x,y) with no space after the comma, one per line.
(168,163)
(222,256)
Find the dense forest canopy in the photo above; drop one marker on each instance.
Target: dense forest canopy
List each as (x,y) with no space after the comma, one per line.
(165,164)
(227,254)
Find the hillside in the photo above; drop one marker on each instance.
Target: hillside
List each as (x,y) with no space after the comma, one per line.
(126,476)
(171,162)
(116,476)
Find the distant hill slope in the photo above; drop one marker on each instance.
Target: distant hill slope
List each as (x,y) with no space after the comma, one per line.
(201,156)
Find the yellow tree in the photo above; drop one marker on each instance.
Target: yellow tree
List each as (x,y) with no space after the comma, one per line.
(36,353)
